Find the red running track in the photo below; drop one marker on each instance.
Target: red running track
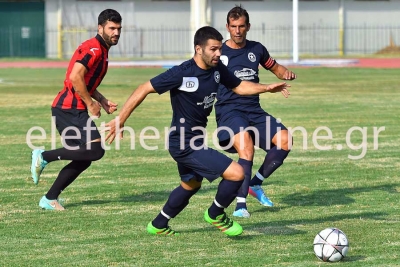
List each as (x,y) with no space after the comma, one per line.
(362,63)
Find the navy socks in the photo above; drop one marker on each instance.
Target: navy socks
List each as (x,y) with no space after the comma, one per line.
(227,192)
(177,201)
(273,160)
(244,189)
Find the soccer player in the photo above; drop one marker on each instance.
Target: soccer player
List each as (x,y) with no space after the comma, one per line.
(250,124)
(81,138)
(193,86)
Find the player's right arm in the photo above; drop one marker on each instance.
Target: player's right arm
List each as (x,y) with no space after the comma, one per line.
(134,100)
(77,78)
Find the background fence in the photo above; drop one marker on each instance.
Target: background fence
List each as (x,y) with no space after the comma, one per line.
(163,42)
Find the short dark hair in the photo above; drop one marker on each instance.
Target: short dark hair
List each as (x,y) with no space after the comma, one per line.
(206,33)
(109,15)
(237,12)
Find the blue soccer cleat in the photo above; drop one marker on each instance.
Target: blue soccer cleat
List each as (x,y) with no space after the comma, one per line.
(257,192)
(243,213)
(47,204)
(38,164)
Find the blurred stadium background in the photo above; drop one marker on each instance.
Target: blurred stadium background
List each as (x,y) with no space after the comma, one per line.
(164,28)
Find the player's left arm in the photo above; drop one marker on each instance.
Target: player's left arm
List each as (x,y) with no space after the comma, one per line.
(251,88)
(107,105)
(282,72)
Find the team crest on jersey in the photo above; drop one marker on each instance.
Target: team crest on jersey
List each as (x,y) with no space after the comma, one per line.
(189,84)
(224,59)
(252,57)
(217,76)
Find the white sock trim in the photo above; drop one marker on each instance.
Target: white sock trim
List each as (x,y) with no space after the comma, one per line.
(165,215)
(240,200)
(218,205)
(259,176)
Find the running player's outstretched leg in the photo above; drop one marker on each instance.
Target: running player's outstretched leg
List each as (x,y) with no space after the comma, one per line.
(81,159)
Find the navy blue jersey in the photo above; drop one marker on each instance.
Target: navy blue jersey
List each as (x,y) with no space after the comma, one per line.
(244,63)
(192,93)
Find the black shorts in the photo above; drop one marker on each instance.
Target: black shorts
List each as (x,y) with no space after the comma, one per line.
(261,126)
(197,164)
(75,126)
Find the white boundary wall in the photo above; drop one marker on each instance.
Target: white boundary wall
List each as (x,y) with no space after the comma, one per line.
(156,16)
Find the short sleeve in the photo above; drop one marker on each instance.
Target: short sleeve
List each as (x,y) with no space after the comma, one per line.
(87,55)
(168,80)
(266,60)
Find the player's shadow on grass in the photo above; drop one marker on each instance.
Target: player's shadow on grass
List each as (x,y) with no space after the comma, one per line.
(162,195)
(211,230)
(288,227)
(151,196)
(284,227)
(338,196)
(262,209)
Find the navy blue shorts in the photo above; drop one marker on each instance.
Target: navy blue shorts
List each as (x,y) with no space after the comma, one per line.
(76,121)
(208,163)
(265,128)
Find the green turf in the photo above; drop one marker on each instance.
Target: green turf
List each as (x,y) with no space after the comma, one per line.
(109,206)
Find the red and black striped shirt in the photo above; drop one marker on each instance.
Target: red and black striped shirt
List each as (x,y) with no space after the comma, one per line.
(93,54)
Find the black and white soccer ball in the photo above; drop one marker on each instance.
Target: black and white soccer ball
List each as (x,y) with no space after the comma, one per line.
(331,245)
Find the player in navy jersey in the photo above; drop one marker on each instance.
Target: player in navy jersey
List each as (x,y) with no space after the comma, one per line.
(71,108)
(192,87)
(250,124)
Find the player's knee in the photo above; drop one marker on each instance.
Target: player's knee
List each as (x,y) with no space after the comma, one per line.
(283,139)
(195,190)
(243,143)
(96,151)
(246,153)
(234,172)
(191,185)
(98,154)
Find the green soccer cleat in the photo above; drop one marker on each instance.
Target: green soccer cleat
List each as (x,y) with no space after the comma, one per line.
(223,223)
(163,231)
(38,164)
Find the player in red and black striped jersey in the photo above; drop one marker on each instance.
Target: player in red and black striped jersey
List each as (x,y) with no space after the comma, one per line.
(243,115)
(71,108)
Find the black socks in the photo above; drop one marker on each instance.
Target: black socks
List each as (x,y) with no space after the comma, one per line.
(177,201)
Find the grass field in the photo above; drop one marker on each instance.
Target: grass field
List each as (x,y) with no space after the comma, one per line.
(109,206)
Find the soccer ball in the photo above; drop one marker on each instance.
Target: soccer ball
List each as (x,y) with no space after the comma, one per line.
(331,245)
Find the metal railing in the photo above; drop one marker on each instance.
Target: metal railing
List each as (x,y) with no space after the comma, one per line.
(165,42)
